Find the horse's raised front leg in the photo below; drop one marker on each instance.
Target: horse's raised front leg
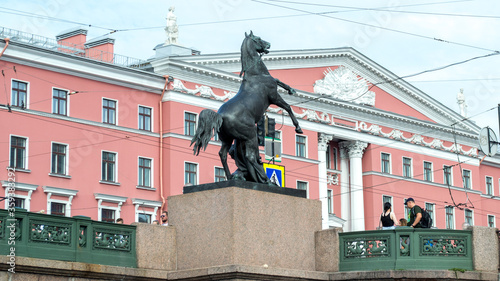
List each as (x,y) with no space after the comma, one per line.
(282,103)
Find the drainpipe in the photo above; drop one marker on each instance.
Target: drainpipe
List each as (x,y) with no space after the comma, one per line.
(161,144)
(6,45)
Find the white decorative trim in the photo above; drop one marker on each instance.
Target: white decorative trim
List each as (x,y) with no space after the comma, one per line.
(22,187)
(59,191)
(415,139)
(148,204)
(203,90)
(119,200)
(332,178)
(342,83)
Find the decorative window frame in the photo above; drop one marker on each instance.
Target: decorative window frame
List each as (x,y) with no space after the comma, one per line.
(470,178)
(148,204)
(390,163)
(197,115)
(150,117)
(115,182)
(52,100)
(215,175)
(391,200)
(307,187)
(403,167)
(306,146)
(152,169)
(27,91)
(453,216)
(118,200)
(330,198)
(26,168)
(22,187)
(63,192)
(486,185)
(197,172)
(66,164)
(472,216)
(432,170)
(494,220)
(116,111)
(433,212)
(451,174)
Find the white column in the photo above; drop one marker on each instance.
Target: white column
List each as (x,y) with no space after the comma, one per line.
(357,199)
(323,140)
(345,197)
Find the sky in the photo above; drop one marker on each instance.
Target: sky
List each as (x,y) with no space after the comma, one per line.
(406,37)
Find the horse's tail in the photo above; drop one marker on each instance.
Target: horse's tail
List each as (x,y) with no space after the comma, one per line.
(209,124)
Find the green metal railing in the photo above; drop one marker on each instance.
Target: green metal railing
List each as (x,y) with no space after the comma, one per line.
(405,248)
(76,239)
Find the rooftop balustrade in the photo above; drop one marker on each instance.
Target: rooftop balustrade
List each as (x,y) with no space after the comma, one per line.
(76,239)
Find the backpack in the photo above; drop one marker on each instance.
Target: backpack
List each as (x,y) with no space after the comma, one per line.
(426,220)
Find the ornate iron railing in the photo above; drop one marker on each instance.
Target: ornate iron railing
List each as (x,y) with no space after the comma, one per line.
(71,49)
(77,239)
(405,248)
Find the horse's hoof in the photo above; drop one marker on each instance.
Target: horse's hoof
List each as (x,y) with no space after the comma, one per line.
(298,130)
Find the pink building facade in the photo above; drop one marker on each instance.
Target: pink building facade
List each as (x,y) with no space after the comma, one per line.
(86,133)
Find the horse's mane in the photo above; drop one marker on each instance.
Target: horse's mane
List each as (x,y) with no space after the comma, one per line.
(244,62)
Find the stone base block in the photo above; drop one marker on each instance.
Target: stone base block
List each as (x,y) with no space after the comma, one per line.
(246,227)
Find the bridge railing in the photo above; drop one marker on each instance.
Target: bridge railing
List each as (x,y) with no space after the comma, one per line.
(405,248)
(76,239)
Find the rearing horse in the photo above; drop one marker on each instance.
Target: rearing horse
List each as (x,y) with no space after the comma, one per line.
(237,118)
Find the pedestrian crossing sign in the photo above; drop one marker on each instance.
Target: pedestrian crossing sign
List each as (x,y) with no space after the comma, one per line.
(275,173)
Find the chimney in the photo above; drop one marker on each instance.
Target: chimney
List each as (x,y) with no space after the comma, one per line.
(100,49)
(72,40)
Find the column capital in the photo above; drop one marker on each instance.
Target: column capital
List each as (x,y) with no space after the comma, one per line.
(344,149)
(323,140)
(356,148)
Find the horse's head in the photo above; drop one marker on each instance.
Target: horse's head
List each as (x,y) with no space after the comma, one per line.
(261,46)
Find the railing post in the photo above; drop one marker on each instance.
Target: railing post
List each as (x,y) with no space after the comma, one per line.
(485,248)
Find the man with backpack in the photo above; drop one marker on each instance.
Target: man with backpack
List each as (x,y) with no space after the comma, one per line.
(415,213)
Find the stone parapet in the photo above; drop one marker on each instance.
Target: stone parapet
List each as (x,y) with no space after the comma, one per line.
(156,246)
(327,250)
(485,248)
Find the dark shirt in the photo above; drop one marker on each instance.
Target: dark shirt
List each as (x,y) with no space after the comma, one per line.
(413,215)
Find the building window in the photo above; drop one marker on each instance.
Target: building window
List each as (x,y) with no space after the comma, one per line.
(19,94)
(429,207)
(58,159)
(302,185)
(189,124)
(427,171)
(19,202)
(144,118)
(109,111)
(220,175)
(469,217)
(59,101)
(190,173)
(300,146)
(18,153)
(145,218)
(58,209)
(386,163)
(447,175)
(491,221)
(145,172)
(466,179)
(386,199)
(450,221)
(489,185)
(107,215)
(330,200)
(108,166)
(335,158)
(407,167)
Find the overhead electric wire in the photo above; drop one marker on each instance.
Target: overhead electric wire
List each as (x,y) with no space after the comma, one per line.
(378,27)
(354,9)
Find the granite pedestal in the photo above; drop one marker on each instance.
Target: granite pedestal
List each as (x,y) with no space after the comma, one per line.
(243,226)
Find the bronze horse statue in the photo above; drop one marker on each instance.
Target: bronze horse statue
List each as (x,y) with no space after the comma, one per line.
(236,119)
